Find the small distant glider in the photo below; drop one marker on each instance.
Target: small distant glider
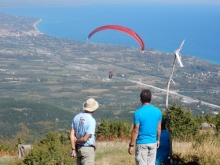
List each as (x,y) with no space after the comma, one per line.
(177,54)
(122,29)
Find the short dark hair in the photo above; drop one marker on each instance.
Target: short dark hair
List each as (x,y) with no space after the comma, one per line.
(145,96)
(163,123)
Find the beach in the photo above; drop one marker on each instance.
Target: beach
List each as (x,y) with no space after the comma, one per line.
(35,26)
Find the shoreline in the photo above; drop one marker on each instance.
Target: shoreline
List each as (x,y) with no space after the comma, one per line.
(203,50)
(199,58)
(35,26)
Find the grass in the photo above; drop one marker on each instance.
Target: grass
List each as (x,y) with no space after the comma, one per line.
(206,153)
(6,159)
(115,153)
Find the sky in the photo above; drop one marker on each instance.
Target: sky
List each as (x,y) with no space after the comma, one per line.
(41,3)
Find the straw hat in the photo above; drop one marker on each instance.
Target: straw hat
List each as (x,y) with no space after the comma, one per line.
(90,105)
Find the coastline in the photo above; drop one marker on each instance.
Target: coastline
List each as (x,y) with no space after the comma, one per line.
(201,46)
(199,58)
(35,26)
(194,57)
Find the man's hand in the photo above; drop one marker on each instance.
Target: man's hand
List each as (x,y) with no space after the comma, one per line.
(158,144)
(73,154)
(130,149)
(134,135)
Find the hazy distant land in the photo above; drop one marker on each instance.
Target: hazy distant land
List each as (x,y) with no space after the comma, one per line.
(113,56)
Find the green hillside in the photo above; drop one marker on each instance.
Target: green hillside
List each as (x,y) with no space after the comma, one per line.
(30,120)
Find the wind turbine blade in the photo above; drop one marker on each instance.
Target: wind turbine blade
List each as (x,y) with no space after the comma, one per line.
(177,54)
(178,50)
(178,58)
(182,44)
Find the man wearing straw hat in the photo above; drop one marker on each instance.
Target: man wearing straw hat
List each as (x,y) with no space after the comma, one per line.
(82,134)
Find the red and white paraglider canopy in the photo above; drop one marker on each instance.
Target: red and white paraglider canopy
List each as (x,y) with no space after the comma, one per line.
(122,29)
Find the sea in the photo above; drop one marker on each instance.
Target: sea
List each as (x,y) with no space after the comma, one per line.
(162,26)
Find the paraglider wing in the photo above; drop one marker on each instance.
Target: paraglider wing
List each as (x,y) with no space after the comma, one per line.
(122,29)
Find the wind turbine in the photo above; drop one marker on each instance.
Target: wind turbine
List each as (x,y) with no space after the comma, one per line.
(178,59)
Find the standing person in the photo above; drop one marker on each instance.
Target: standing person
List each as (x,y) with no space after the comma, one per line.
(146,131)
(164,149)
(82,134)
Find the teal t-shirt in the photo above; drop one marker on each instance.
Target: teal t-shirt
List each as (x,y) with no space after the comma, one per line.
(83,124)
(147,117)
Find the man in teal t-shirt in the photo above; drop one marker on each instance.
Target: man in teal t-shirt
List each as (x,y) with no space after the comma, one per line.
(146,131)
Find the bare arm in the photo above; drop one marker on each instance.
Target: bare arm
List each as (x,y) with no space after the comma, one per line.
(74,140)
(134,135)
(83,139)
(73,143)
(158,134)
(72,137)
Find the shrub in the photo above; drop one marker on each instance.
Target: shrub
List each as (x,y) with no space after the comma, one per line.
(111,130)
(49,151)
(182,124)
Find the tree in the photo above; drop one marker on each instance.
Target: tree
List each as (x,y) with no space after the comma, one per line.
(208,118)
(182,124)
(20,141)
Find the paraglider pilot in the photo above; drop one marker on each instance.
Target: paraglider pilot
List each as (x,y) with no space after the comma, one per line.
(110,74)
